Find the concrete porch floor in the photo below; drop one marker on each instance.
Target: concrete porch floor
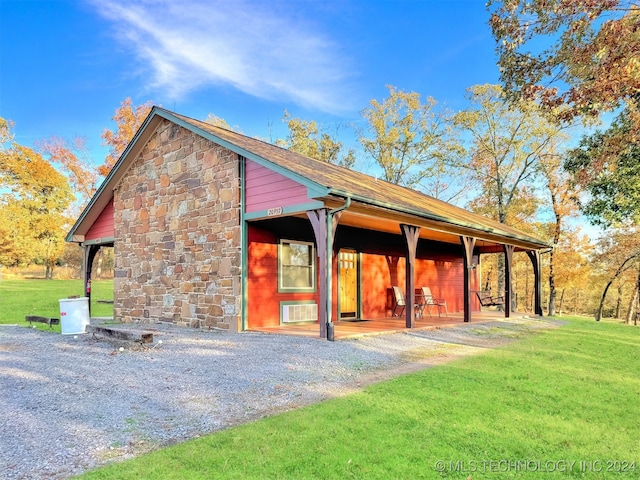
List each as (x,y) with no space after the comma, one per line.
(352,329)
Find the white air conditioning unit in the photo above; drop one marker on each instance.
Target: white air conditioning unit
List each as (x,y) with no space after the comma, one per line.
(301,312)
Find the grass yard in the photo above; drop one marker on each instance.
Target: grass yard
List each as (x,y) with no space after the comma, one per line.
(41,297)
(562,403)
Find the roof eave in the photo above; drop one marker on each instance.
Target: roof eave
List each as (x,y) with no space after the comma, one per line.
(105,191)
(317,190)
(473,230)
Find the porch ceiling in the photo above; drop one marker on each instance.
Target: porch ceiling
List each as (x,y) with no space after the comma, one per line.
(352,218)
(380,224)
(371,217)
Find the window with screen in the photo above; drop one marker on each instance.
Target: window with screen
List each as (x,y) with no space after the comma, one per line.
(296,266)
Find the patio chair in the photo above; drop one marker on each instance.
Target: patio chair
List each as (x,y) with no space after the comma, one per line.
(420,303)
(431,301)
(399,302)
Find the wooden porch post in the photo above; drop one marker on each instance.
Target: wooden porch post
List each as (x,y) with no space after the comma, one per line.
(508,282)
(324,224)
(411,236)
(534,256)
(90,252)
(318,220)
(469,244)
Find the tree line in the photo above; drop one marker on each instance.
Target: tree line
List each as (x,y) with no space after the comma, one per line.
(511,155)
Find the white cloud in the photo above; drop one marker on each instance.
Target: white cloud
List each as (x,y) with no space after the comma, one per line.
(266,51)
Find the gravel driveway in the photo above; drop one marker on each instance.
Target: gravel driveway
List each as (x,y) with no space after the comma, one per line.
(71,403)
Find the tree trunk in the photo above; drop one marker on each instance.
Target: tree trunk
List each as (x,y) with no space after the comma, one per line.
(99,267)
(632,312)
(623,267)
(556,239)
(618,301)
(552,302)
(501,275)
(552,281)
(487,281)
(527,297)
(632,307)
(604,295)
(561,300)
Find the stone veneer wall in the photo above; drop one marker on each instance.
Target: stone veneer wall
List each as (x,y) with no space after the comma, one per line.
(177,233)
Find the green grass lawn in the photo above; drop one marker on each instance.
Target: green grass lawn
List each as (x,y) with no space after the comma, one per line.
(41,297)
(527,410)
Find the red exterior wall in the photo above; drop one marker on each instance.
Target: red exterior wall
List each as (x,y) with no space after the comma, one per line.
(268,189)
(377,276)
(442,272)
(263,307)
(443,275)
(103,226)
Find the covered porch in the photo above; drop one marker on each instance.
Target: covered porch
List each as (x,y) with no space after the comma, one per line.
(363,252)
(379,326)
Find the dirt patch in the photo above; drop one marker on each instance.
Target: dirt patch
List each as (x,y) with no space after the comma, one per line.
(419,360)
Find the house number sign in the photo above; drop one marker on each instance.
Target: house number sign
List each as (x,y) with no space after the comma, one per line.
(272,212)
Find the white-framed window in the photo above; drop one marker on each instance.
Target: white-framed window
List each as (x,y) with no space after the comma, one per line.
(296,266)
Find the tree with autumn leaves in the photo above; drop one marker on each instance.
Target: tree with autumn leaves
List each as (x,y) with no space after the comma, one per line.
(503,155)
(128,119)
(36,198)
(411,140)
(308,138)
(73,158)
(514,159)
(578,59)
(32,205)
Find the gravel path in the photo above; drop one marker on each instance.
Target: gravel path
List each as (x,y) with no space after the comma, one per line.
(71,403)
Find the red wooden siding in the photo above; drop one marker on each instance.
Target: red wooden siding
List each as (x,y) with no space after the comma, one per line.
(442,272)
(444,275)
(103,226)
(263,307)
(268,189)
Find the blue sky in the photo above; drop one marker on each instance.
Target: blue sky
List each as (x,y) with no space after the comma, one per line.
(65,66)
